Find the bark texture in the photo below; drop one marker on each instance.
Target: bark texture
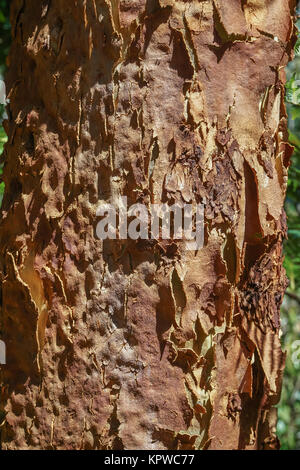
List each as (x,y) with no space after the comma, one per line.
(144,345)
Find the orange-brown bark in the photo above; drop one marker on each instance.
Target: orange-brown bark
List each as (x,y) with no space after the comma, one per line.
(139,345)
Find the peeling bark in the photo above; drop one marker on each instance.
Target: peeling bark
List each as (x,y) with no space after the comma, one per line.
(140,345)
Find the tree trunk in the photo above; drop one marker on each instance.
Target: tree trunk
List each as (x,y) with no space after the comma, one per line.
(123,344)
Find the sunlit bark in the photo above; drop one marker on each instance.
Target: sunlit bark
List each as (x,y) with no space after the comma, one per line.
(144,345)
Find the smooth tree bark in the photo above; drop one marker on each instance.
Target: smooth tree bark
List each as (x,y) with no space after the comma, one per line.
(124,344)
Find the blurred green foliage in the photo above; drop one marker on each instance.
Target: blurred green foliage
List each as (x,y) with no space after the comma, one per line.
(289,408)
(4,33)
